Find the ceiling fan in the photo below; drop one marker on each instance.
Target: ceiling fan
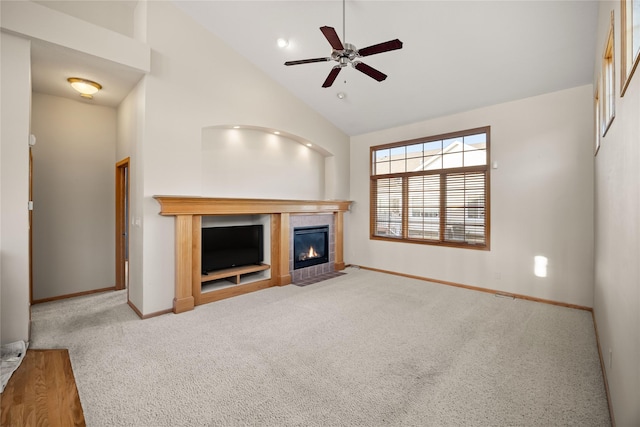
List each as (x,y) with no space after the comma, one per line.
(346,53)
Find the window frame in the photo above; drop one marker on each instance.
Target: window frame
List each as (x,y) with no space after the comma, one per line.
(443,173)
(597,116)
(608,100)
(630,58)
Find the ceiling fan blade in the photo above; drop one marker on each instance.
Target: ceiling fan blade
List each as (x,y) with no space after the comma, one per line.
(332,76)
(370,71)
(307,61)
(380,47)
(332,37)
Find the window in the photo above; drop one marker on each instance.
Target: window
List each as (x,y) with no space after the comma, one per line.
(433,190)
(608,83)
(597,118)
(630,40)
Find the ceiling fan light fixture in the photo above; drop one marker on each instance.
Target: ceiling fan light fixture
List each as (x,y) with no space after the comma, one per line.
(86,88)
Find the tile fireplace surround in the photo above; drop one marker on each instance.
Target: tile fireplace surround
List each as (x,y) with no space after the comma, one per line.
(284,214)
(304,220)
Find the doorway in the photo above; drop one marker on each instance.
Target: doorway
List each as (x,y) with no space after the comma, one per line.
(122,224)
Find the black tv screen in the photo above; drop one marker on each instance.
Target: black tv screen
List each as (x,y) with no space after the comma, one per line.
(225,247)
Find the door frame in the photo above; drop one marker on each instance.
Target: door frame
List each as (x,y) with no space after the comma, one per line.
(30,233)
(122,221)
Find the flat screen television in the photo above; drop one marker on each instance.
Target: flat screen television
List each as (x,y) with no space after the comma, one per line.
(234,246)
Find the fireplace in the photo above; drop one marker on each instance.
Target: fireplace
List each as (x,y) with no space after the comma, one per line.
(310,246)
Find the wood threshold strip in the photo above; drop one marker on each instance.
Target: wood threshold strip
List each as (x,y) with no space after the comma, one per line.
(476,288)
(77,294)
(42,392)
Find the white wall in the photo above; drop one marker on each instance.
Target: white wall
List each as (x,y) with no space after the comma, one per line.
(617,235)
(42,23)
(235,163)
(115,15)
(230,90)
(74,196)
(541,201)
(15,96)
(130,118)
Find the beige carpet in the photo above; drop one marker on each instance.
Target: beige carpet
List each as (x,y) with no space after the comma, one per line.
(363,349)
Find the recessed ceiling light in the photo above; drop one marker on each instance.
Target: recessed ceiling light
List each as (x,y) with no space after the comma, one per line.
(282,43)
(341,95)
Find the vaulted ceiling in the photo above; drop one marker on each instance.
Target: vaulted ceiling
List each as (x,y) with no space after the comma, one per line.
(457,55)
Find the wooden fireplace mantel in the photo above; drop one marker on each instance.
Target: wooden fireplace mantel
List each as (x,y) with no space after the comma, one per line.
(188,212)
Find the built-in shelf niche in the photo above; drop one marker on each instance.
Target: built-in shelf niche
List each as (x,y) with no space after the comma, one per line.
(244,275)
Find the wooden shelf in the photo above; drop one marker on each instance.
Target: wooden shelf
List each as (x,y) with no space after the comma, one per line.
(190,205)
(233,274)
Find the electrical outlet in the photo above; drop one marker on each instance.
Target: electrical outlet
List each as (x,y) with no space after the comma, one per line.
(610,358)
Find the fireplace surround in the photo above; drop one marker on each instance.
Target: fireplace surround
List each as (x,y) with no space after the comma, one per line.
(188,212)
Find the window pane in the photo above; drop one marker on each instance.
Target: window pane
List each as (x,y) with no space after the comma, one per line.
(475,142)
(414,151)
(465,211)
(432,163)
(415,164)
(382,168)
(424,207)
(433,147)
(453,160)
(452,145)
(382,154)
(381,158)
(398,166)
(388,217)
(475,158)
(475,234)
(398,153)
(635,24)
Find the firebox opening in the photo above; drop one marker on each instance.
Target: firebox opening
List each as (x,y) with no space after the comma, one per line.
(310,246)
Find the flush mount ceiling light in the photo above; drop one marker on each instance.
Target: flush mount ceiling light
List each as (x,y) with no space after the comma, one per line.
(282,43)
(87,88)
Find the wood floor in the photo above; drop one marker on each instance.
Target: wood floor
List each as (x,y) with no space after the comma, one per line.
(42,392)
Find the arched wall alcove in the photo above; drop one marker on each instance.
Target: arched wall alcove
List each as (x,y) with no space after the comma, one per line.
(257,162)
